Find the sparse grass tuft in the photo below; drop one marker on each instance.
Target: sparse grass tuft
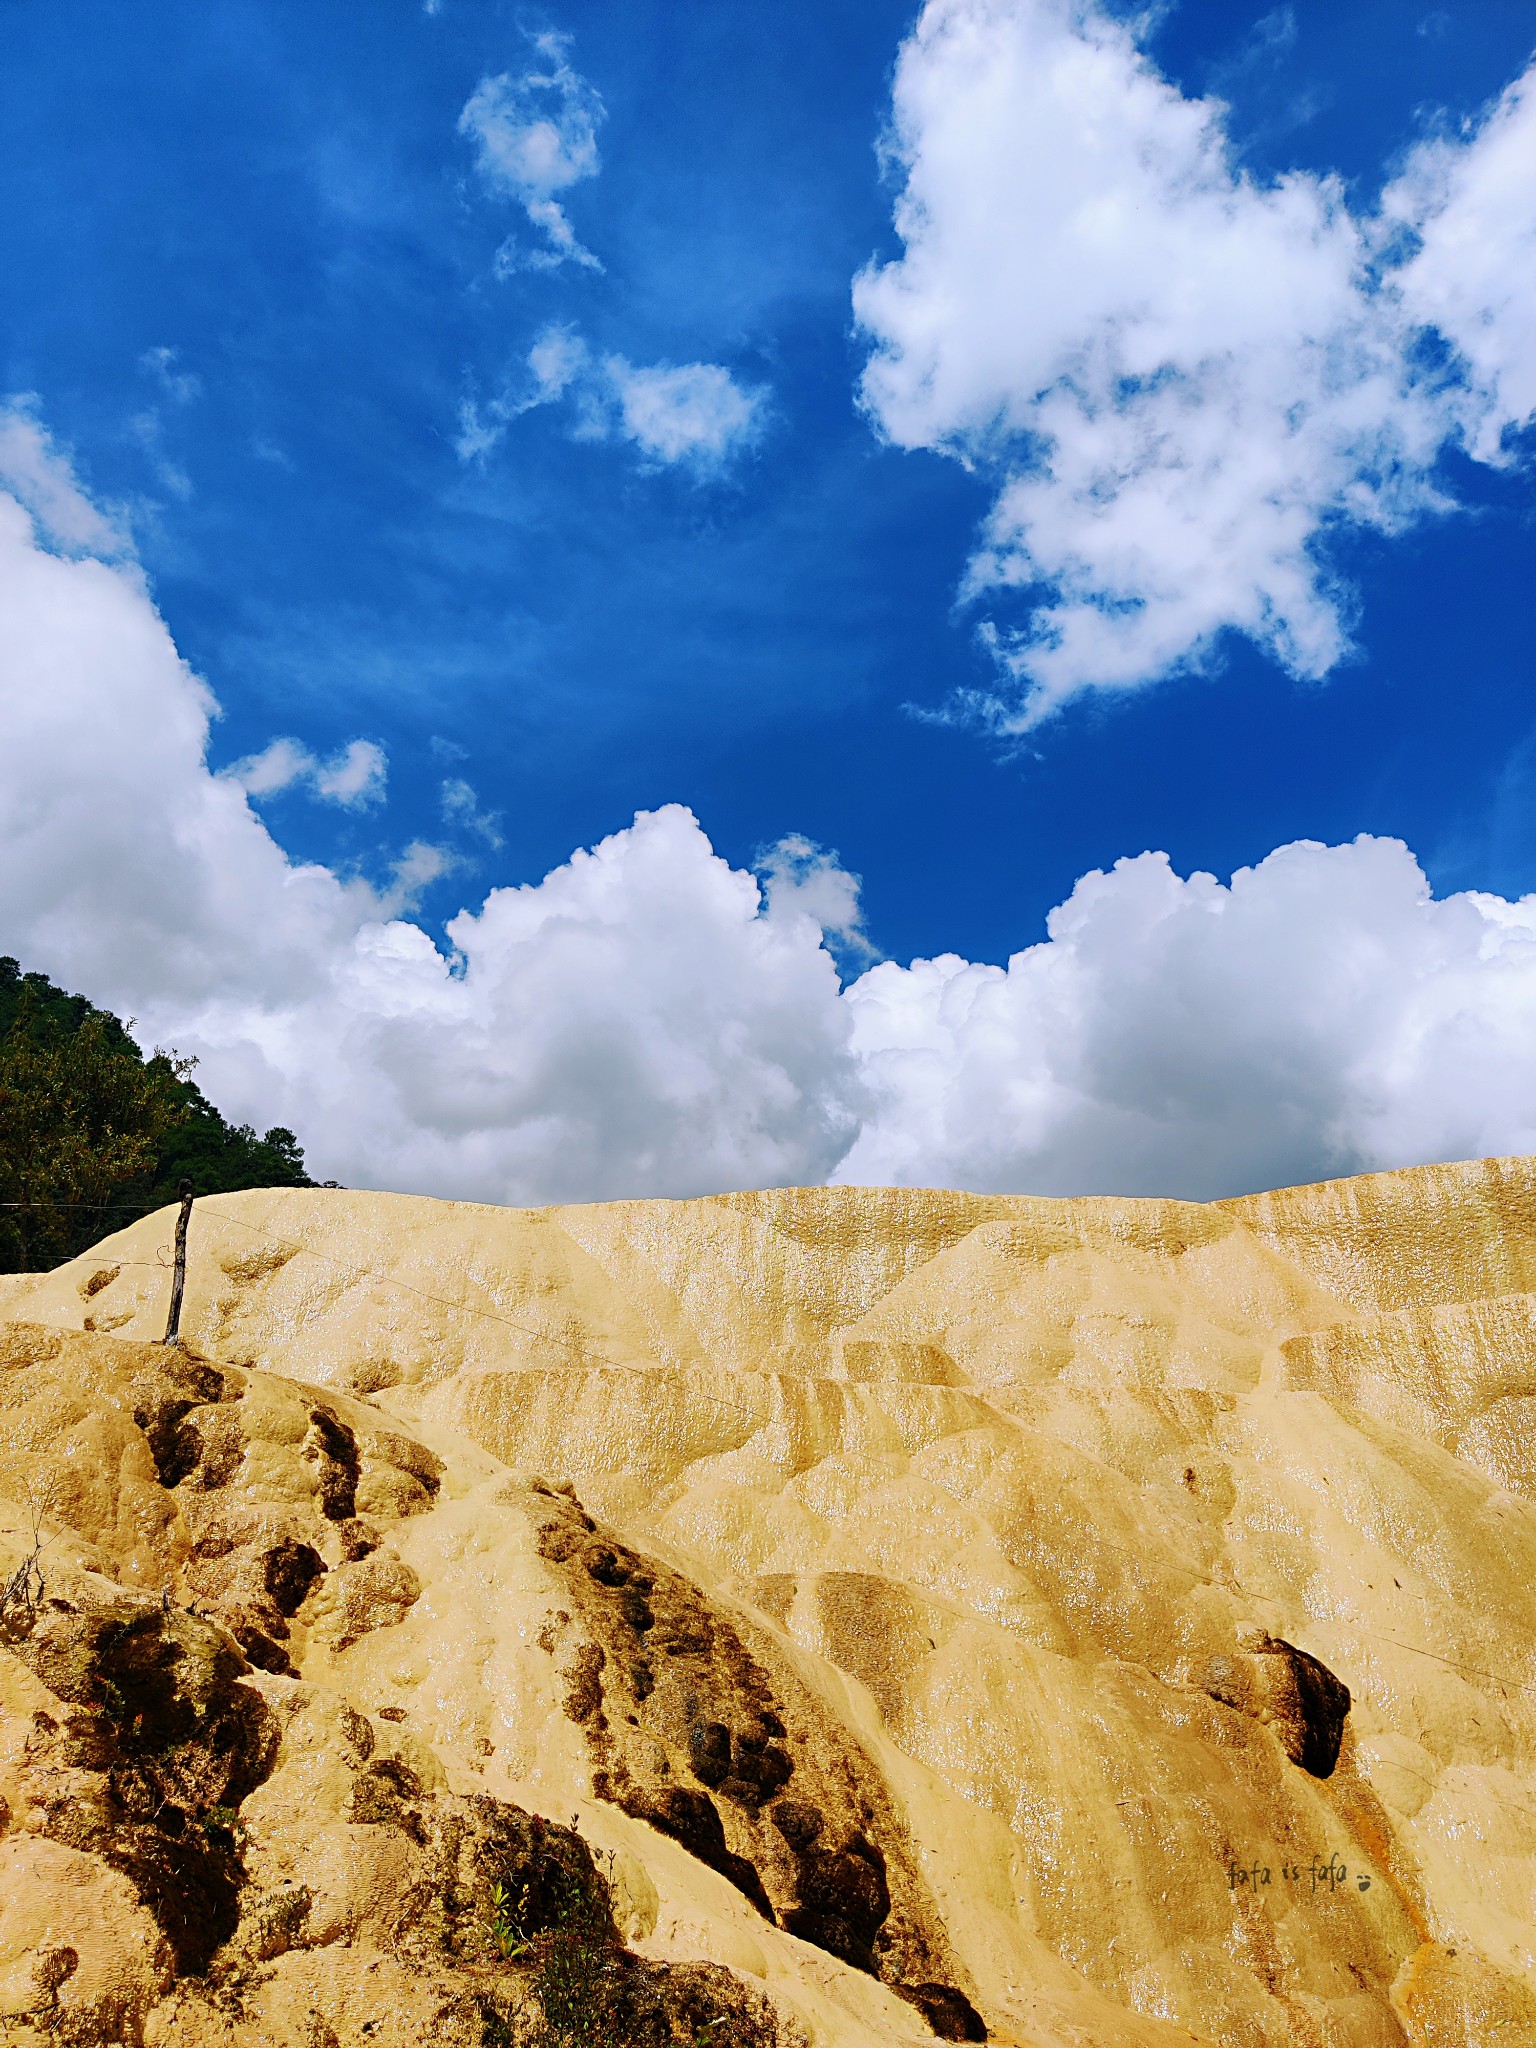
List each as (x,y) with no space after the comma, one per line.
(588,1990)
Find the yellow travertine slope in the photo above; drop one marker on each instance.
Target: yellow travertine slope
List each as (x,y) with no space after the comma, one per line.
(1098,1622)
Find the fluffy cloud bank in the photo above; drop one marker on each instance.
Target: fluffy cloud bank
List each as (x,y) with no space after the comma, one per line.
(638,1021)
(1180,379)
(1321,1014)
(648,1020)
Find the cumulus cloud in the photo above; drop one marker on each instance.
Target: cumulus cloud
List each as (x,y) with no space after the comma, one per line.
(801,877)
(647,1019)
(1322,1013)
(355,777)
(639,1021)
(535,135)
(689,415)
(1180,379)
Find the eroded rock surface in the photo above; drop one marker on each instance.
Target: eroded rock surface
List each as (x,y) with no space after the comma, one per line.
(199,1846)
(874,1614)
(714,1741)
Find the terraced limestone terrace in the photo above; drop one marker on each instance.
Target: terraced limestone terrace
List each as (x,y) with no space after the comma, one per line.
(1094,1622)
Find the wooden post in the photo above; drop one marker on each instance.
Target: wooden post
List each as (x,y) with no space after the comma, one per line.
(179,1281)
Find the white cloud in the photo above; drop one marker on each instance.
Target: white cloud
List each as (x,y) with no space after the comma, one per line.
(482,429)
(413,874)
(354,777)
(803,878)
(536,135)
(277,767)
(639,1021)
(1322,1014)
(35,473)
(161,364)
(688,415)
(648,1020)
(1471,205)
(690,412)
(558,359)
(461,807)
(1180,379)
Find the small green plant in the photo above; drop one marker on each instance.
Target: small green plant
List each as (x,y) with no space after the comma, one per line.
(554,1921)
(575,1962)
(224,1822)
(505,1921)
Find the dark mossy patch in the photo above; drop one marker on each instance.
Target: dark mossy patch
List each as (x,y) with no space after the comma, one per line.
(1300,1700)
(332,1448)
(204,1451)
(948,2011)
(172,1742)
(288,1571)
(162,1401)
(586,1987)
(844,1901)
(693,1819)
(736,1761)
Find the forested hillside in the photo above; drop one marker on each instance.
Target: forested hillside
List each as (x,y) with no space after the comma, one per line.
(93,1134)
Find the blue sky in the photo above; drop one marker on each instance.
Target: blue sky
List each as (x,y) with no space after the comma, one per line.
(256,308)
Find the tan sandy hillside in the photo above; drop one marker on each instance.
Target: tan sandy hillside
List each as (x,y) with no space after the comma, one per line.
(1104,1622)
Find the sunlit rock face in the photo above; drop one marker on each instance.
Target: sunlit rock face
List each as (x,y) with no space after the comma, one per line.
(1093,1621)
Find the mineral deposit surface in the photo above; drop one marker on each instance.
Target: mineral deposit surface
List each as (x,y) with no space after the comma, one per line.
(905,1613)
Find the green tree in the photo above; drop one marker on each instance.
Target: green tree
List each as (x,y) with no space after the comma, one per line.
(80,1120)
(92,1133)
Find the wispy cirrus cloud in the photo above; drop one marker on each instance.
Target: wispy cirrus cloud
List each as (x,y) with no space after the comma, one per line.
(694,416)
(535,136)
(460,804)
(354,777)
(163,364)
